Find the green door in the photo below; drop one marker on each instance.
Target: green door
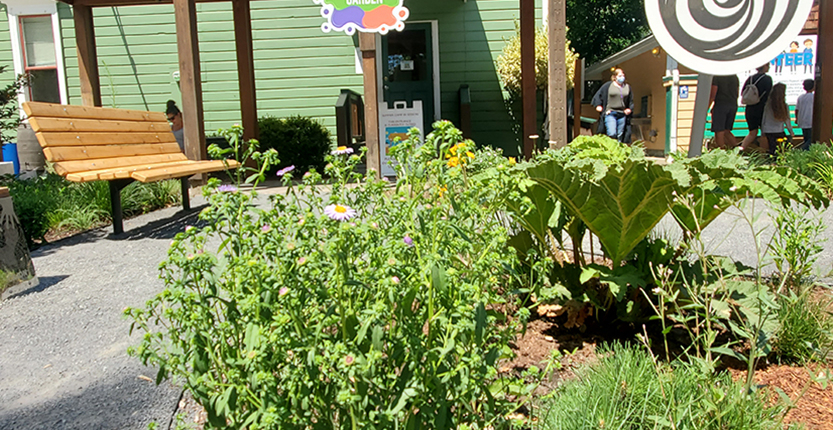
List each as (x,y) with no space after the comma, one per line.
(408,69)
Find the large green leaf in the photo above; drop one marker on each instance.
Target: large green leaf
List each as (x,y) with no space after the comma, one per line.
(620,207)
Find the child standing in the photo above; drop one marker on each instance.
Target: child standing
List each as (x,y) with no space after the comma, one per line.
(776,118)
(804,113)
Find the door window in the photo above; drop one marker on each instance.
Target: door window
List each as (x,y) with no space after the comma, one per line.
(39,58)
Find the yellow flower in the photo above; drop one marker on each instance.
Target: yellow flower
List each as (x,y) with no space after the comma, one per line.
(443,190)
(453,162)
(470,154)
(512,161)
(453,150)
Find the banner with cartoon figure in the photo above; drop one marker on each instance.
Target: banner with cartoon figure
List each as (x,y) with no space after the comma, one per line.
(795,63)
(367,16)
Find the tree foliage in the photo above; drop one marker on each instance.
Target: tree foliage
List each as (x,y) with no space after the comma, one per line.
(509,63)
(599,28)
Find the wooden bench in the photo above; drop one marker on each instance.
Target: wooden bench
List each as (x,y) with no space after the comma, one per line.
(119,146)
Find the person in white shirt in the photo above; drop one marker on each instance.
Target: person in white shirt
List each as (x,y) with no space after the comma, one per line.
(776,118)
(804,113)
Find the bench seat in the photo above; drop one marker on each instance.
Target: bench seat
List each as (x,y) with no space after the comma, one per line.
(86,144)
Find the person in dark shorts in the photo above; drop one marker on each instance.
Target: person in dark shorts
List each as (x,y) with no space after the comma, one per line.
(724,95)
(755,112)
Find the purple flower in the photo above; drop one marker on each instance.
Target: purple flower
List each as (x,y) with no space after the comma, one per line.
(227,189)
(285,170)
(283,291)
(339,212)
(408,241)
(266,228)
(395,279)
(342,150)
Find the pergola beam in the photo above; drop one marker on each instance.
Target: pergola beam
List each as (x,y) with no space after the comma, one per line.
(185,12)
(87,57)
(245,67)
(823,104)
(528,87)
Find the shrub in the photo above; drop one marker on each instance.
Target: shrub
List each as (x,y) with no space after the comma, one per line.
(34,199)
(806,329)
(367,307)
(300,141)
(509,63)
(626,390)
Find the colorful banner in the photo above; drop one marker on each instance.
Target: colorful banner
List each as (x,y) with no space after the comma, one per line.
(367,16)
(792,66)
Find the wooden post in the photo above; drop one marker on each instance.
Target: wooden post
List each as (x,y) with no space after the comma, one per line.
(367,45)
(87,57)
(245,67)
(823,104)
(557,28)
(528,87)
(578,86)
(185,12)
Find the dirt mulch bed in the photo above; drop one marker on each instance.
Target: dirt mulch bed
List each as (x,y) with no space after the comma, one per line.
(814,408)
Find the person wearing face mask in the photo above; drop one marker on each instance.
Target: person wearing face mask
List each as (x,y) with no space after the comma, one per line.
(614,101)
(175,118)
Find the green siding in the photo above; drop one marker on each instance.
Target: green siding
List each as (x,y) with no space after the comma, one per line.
(298,69)
(5,49)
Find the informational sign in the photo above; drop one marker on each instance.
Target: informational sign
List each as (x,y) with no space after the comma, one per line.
(684,91)
(367,16)
(394,125)
(795,63)
(720,37)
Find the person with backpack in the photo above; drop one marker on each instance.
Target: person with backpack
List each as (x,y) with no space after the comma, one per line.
(754,95)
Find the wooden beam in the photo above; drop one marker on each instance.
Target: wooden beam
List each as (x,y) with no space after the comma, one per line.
(185,12)
(557,28)
(367,45)
(245,67)
(87,57)
(823,104)
(578,86)
(528,87)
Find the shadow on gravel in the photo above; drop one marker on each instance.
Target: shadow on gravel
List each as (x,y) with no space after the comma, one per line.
(165,228)
(126,402)
(85,237)
(44,282)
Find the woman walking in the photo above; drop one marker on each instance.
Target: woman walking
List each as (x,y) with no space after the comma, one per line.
(614,101)
(776,118)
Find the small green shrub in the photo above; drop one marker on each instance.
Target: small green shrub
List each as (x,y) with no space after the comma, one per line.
(34,199)
(806,162)
(626,390)
(806,329)
(300,141)
(797,244)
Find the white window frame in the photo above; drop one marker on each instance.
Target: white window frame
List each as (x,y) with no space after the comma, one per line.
(17,11)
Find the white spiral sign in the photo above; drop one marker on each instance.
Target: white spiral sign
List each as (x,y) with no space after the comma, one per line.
(724,37)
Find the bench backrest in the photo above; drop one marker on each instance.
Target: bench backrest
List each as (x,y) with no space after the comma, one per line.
(82,138)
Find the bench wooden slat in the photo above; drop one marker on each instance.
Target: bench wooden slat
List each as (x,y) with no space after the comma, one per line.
(117,172)
(70,111)
(46,124)
(65,167)
(49,139)
(68,153)
(159,174)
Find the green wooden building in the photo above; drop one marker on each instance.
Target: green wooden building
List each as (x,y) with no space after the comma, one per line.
(299,70)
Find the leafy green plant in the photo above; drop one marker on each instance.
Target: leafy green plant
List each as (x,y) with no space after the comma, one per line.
(33,200)
(509,63)
(805,331)
(9,109)
(370,306)
(628,389)
(796,244)
(300,141)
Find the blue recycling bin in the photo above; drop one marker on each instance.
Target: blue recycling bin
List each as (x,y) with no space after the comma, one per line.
(10,154)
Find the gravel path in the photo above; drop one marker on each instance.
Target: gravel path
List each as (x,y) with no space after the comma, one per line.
(63,360)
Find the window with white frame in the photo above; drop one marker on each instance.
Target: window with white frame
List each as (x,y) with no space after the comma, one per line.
(38,43)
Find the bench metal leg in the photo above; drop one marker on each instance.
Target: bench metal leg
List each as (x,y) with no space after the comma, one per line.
(186,198)
(115,203)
